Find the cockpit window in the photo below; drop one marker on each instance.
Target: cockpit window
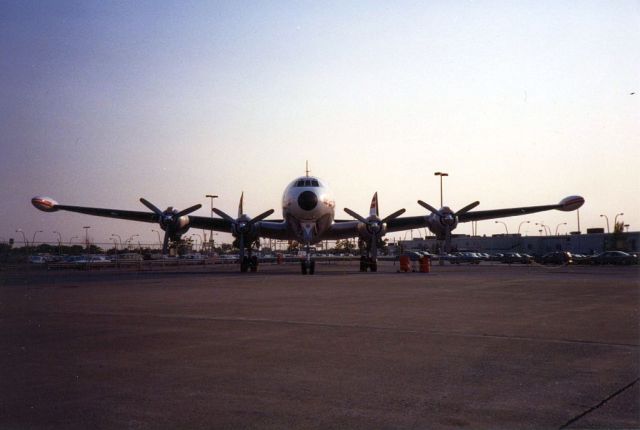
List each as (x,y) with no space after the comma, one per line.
(307,183)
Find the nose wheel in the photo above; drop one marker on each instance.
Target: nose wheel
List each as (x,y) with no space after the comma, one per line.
(307,266)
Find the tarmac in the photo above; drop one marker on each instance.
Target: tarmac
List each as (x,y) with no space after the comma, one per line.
(488,346)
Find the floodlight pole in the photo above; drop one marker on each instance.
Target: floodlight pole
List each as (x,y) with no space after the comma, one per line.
(211,196)
(441,174)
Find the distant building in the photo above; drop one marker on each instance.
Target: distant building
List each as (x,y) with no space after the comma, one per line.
(574,243)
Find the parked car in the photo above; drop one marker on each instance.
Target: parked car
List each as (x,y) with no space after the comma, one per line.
(465,257)
(514,257)
(37,259)
(613,257)
(557,257)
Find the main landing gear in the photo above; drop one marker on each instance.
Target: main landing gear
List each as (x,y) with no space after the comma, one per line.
(368,263)
(307,266)
(249,263)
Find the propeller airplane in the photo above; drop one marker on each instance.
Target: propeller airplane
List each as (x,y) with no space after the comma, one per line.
(308,216)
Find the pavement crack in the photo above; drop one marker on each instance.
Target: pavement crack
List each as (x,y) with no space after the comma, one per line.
(593,408)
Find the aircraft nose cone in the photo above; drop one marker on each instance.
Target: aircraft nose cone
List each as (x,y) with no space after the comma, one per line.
(307,200)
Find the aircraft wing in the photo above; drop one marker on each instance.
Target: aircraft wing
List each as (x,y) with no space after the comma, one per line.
(343,229)
(269,227)
(567,204)
(109,213)
(501,213)
(407,223)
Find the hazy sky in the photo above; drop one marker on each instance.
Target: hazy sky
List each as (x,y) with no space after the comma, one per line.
(522,103)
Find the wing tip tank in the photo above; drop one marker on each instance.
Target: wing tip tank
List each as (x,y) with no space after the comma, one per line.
(571,203)
(46,204)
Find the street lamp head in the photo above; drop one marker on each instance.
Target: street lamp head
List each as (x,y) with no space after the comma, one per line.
(211,196)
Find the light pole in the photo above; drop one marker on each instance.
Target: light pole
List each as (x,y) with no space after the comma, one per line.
(33,240)
(562,223)
(520,225)
(119,238)
(211,196)
(86,236)
(59,242)
(24,238)
(615,222)
(195,236)
(158,233)
(71,240)
(546,232)
(128,241)
(504,224)
(607,218)
(441,174)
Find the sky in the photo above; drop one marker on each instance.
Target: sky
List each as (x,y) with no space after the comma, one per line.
(522,103)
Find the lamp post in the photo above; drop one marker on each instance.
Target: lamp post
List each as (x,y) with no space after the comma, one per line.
(86,236)
(441,174)
(546,232)
(607,218)
(195,237)
(504,224)
(520,225)
(24,238)
(128,241)
(33,239)
(562,223)
(119,238)
(615,222)
(158,233)
(211,196)
(59,242)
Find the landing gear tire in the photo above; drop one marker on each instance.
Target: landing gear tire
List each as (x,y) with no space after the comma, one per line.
(308,267)
(373,265)
(253,263)
(244,264)
(364,263)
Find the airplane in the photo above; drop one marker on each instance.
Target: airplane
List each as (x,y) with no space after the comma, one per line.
(308,216)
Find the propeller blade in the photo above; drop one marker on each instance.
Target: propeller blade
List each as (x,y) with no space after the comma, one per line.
(467,208)
(429,207)
(224,215)
(355,215)
(240,206)
(373,210)
(148,204)
(187,211)
(165,243)
(260,217)
(396,214)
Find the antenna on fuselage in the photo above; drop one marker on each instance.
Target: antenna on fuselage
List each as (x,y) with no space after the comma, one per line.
(306,168)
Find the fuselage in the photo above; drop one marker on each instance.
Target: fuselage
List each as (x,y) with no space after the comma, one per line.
(308,208)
